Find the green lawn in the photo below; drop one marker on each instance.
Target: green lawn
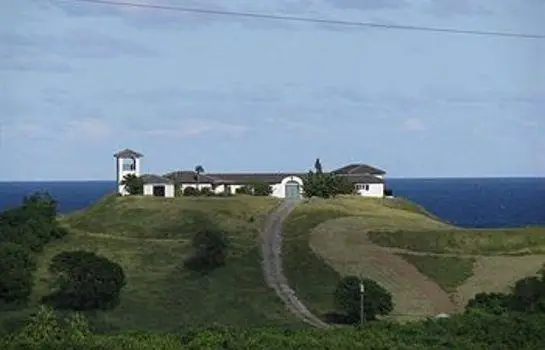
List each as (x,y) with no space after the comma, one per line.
(465,241)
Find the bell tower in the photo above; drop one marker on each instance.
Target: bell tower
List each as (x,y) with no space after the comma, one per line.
(127,163)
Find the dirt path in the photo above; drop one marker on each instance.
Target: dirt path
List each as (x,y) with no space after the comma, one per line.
(272,265)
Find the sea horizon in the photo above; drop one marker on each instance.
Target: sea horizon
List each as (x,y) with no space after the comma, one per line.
(493,202)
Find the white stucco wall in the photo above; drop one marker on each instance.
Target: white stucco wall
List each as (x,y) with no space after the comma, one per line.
(279,190)
(169,190)
(375,190)
(122,173)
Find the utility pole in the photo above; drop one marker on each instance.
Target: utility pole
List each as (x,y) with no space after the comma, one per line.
(362,312)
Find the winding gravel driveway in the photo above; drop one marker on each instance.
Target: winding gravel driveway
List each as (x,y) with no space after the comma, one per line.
(272,264)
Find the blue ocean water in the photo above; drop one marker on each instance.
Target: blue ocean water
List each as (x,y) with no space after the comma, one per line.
(490,202)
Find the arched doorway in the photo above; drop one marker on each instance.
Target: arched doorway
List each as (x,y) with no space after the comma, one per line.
(292,190)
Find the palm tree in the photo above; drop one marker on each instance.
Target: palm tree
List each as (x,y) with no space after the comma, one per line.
(198,170)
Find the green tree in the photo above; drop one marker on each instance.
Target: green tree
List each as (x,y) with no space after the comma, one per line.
(261,188)
(85,281)
(198,171)
(210,250)
(133,184)
(17,267)
(318,166)
(377,300)
(246,189)
(191,191)
(494,303)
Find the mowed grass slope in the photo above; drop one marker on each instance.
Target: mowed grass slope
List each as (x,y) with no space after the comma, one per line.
(374,238)
(150,237)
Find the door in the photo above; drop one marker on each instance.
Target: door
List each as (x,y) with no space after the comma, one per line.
(159,191)
(292,190)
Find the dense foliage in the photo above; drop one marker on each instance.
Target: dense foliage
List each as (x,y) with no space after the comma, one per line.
(325,185)
(25,230)
(17,266)
(209,250)
(257,188)
(133,184)
(376,301)
(476,331)
(85,281)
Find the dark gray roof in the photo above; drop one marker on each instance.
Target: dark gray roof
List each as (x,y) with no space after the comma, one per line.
(189,177)
(155,179)
(358,169)
(128,153)
(363,179)
(244,178)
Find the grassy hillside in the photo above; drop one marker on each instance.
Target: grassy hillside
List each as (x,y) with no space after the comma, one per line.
(149,237)
(428,265)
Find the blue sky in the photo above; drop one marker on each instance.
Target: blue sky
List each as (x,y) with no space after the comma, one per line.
(81,81)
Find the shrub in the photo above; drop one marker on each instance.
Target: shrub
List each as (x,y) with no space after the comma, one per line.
(246,189)
(210,250)
(377,301)
(16,272)
(133,184)
(494,303)
(191,191)
(206,191)
(85,281)
(261,189)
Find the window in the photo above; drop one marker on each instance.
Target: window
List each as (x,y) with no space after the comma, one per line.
(362,187)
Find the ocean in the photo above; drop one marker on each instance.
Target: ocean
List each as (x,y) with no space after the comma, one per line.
(472,203)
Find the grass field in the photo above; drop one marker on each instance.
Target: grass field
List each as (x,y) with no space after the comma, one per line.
(399,244)
(149,237)
(449,272)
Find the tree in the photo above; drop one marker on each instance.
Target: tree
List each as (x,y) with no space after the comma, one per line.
(33,224)
(261,188)
(377,301)
(210,250)
(16,272)
(85,281)
(529,294)
(198,171)
(133,184)
(318,166)
(246,189)
(494,303)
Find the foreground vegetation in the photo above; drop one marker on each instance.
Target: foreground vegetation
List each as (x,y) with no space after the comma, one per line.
(475,330)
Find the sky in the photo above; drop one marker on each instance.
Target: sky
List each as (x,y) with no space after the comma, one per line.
(80,81)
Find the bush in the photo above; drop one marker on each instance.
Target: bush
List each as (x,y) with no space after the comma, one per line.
(377,301)
(133,184)
(16,272)
(206,191)
(85,281)
(191,191)
(246,189)
(494,303)
(210,250)
(33,224)
(261,189)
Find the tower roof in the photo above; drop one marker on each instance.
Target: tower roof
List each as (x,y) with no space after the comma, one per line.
(128,153)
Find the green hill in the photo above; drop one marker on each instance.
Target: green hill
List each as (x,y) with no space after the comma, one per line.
(429,266)
(150,237)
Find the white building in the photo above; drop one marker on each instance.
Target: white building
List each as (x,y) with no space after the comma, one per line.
(368,181)
(128,163)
